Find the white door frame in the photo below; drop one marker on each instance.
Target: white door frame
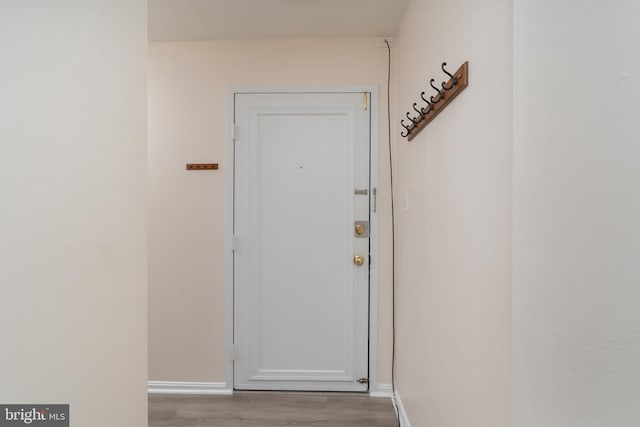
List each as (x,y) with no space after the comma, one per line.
(229,200)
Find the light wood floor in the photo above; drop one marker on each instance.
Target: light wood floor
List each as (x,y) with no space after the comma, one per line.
(260,409)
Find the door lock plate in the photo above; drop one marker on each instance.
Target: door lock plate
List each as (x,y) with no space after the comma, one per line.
(361,229)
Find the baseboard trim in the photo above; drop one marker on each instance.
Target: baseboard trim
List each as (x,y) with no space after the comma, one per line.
(402,414)
(175,387)
(383,391)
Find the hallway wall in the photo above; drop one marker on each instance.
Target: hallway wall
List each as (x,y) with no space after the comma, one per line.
(73,280)
(188,84)
(454,241)
(574,206)
(576,266)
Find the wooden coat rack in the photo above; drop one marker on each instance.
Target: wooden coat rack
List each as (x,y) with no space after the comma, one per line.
(435,104)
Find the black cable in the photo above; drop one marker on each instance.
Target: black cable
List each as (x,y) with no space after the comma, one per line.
(393,241)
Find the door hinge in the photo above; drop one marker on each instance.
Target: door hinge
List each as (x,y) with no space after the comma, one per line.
(363,380)
(234,132)
(366,101)
(234,243)
(232,352)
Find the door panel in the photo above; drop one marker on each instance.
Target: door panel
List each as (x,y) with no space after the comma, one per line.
(301,304)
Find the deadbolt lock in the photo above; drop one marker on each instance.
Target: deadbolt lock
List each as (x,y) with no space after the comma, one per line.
(358,260)
(361,229)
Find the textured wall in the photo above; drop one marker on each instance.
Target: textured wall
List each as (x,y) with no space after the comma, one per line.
(576,284)
(73,279)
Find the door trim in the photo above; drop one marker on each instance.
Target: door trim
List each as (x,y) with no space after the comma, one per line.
(229,171)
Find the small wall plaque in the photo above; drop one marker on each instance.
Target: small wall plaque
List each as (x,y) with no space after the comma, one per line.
(202,166)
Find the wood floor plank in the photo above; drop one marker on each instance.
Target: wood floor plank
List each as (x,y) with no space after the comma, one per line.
(266,409)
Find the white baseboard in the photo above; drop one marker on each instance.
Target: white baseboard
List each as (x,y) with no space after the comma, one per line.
(383,391)
(175,387)
(402,414)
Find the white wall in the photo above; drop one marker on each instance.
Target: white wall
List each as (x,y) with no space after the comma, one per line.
(454,242)
(188,116)
(576,276)
(72,208)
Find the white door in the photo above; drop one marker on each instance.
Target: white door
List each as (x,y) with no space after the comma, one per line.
(301,183)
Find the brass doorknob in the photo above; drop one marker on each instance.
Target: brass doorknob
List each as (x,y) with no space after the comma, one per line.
(358,260)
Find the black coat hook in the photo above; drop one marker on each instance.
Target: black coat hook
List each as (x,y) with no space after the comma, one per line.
(454,81)
(412,119)
(430,107)
(440,93)
(404,135)
(420,113)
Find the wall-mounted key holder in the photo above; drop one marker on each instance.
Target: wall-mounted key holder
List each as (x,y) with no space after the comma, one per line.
(202,166)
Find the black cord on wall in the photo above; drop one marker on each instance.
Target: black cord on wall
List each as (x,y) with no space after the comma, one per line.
(393,241)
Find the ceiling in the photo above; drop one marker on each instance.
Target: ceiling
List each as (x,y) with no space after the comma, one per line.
(190,20)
